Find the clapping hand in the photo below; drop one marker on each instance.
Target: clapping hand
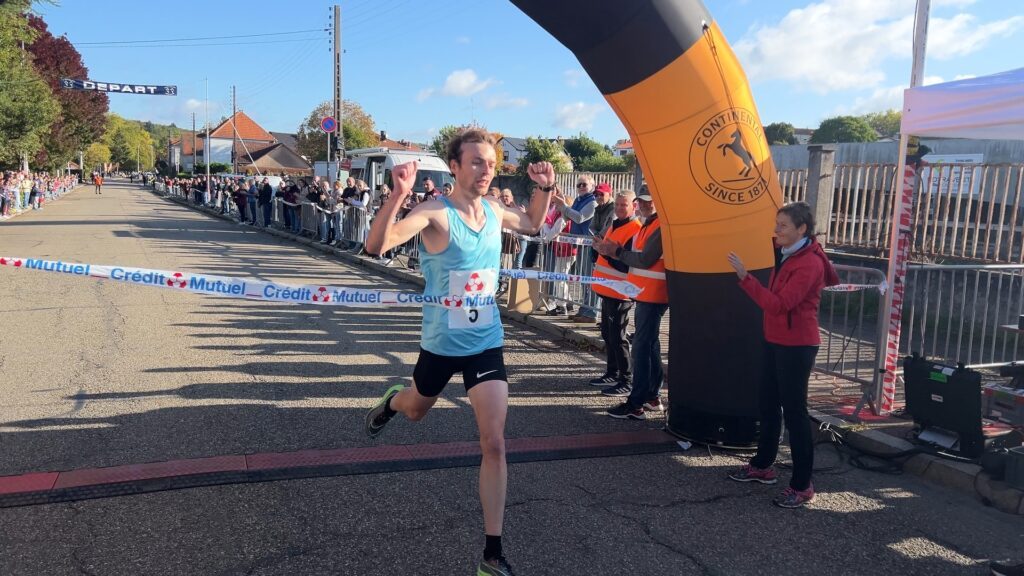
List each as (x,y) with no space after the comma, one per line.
(605,247)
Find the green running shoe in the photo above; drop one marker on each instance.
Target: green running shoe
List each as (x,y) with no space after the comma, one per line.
(377,417)
(495,567)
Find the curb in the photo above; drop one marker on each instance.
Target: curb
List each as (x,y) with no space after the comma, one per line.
(964,477)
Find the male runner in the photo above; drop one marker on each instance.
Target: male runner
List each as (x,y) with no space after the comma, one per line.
(461,237)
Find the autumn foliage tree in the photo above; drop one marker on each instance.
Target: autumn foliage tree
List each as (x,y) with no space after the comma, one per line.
(82,113)
(357,127)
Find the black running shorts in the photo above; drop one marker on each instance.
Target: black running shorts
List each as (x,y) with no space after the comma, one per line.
(433,371)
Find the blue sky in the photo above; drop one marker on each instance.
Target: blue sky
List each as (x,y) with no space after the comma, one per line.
(418,65)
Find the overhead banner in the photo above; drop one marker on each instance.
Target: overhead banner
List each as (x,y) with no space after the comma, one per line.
(119,88)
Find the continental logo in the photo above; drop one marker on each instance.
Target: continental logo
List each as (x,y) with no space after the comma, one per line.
(726,156)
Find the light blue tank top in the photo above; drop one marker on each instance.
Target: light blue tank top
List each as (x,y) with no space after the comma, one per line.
(467,274)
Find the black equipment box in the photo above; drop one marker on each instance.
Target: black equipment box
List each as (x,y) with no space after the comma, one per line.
(947,398)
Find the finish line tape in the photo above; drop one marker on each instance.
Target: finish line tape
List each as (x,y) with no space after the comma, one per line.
(296,294)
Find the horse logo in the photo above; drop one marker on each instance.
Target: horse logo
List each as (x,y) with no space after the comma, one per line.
(740,151)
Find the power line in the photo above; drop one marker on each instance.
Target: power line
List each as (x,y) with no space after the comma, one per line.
(201,38)
(214,44)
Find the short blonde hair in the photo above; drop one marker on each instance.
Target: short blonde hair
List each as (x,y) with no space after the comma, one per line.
(627,194)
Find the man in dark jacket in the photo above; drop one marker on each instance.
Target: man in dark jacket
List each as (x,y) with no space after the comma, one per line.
(251,195)
(266,201)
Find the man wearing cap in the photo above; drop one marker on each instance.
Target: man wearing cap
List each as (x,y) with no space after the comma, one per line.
(643,255)
(579,215)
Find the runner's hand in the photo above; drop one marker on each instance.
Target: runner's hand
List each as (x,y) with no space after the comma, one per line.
(542,173)
(404,178)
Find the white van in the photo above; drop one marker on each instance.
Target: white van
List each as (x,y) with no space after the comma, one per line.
(374,165)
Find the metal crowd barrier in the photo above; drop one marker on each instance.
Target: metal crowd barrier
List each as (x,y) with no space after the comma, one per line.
(961,313)
(850,326)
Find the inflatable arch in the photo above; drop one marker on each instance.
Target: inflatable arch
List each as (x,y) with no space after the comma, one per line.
(668,72)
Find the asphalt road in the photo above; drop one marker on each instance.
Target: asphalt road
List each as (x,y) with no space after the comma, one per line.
(96,373)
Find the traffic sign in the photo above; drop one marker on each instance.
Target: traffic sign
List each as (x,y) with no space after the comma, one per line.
(328,124)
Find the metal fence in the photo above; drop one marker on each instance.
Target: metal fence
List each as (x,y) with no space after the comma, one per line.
(961,211)
(962,313)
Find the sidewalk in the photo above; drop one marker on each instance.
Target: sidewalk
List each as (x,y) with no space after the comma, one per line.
(831,399)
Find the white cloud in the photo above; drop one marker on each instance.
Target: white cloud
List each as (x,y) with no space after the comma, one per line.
(424,94)
(463,40)
(572,77)
(577,116)
(464,83)
(881,99)
(961,35)
(964,76)
(833,45)
(505,101)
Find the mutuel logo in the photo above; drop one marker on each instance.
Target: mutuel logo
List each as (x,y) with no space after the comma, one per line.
(726,156)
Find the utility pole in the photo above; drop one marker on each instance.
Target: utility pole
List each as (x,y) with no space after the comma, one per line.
(206,146)
(234,130)
(338,109)
(193,142)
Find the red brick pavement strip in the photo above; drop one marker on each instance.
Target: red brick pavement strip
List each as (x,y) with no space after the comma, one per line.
(553,446)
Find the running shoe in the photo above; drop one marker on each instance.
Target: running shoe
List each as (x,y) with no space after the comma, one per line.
(624,411)
(377,417)
(654,405)
(494,567)
(751,474)
(620,390)
(604,381)
(794,498)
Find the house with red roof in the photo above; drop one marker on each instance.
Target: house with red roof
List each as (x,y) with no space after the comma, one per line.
(240,141)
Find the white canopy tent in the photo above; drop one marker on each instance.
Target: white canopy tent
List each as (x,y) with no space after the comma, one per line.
(984,108)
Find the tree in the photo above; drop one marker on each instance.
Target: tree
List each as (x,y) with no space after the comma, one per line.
(843,129)
(357,128)
(540,150)
(96,155)
(27,109)
(440,143)
(884,123)
(82,116)
(780,133)
(603,161)
(582,148)
(130,145)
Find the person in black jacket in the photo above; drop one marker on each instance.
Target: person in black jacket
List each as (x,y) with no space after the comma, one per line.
(266,201)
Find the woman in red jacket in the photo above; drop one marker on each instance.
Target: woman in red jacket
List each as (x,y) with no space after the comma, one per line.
(790,305)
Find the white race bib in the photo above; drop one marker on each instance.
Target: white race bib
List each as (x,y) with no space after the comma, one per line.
(471,293)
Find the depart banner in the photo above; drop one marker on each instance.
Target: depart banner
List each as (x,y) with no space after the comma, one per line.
(120,88)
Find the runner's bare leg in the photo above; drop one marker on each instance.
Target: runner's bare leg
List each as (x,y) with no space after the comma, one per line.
(490,404)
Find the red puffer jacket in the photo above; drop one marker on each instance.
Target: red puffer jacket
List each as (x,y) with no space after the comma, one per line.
(790,302)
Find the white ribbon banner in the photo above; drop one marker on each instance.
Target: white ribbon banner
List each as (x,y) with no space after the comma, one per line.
(857,287)
(294,294)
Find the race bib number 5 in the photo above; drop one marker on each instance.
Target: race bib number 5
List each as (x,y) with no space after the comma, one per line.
(471,294)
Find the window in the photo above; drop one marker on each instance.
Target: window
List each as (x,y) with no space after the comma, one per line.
(505,154)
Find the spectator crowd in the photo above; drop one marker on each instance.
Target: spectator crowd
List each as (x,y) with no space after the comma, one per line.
(22,191)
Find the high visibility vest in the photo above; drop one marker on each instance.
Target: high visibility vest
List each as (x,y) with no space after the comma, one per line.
(603,269)
(651,280)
